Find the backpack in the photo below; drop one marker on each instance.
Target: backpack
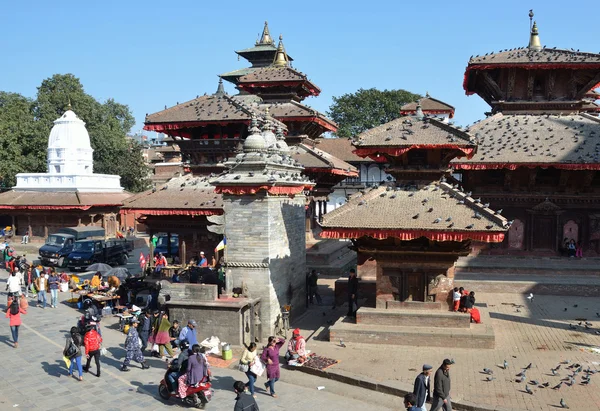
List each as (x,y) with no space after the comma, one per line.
(14,307)
(70,350)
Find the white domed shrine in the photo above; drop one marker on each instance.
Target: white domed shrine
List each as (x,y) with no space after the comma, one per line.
(70,162)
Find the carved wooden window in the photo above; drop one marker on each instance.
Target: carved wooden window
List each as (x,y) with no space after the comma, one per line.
(417,157)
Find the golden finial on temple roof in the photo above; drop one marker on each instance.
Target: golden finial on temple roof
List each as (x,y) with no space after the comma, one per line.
(266,36)
(534,38)
(281,58)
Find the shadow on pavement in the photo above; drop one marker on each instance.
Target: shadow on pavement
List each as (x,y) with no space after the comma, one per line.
(56,370)
(6,340)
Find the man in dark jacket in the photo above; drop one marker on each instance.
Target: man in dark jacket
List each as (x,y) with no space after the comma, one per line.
(441,388)
(352,293)
(243,401)
(145,328)
(422,388)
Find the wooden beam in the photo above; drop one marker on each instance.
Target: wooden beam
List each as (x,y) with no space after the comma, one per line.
(588,86)
(498,94)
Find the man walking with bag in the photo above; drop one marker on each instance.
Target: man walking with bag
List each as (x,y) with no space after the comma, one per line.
(441,388)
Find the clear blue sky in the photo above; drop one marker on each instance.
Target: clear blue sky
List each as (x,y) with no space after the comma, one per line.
(148,54)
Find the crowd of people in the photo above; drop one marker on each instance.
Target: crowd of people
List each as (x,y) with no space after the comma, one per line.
(464,302)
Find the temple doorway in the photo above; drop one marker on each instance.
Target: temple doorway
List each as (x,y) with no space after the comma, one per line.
(407,286)
(571,231)
(544,237)
(515,235)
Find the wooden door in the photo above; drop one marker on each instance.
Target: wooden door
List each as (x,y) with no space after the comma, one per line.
(544,237)
(414,287)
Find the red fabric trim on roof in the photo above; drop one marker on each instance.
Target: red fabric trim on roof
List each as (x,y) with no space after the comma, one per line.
(406,235)
(275,190)
(397,152)
(336,171)
(526,66)
(57,207)
(514,166)
(327,126)
(186,212)
(249,86)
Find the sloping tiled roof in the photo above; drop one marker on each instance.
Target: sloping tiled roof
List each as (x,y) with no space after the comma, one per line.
(428,105)
(411,131)
(437,207)
(181,193)
(237,73)
(314,158)
(505,141)
(213,107)
(341,148)
(65,199)
(274,74)
(291,109)
(524,56)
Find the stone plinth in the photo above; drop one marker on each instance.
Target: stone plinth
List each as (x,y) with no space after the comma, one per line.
(190,292)
(410,318)
(232,320)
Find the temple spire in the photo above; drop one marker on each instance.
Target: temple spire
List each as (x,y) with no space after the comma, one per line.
(220,88)
(266,36)
(281,58)
(534,38)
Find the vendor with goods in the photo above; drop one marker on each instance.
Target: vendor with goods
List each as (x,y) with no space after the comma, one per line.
(296,350)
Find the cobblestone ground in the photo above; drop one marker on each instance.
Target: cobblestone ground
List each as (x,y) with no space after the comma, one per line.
(538,334)
(34,377)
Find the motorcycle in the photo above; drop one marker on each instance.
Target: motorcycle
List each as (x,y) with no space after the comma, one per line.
(195,396)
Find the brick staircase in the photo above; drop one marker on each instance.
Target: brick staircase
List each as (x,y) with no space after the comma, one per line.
(331,258)
(432,328)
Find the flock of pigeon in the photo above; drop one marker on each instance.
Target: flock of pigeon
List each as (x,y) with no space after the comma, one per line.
(572,370)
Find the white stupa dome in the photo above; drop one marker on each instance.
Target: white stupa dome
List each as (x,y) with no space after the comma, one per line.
(69,132)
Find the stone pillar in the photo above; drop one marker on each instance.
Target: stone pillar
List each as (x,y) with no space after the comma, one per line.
(182,250)
(266,254)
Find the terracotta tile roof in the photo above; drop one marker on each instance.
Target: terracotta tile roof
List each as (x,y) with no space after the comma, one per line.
(436,207)
(341,148)
(65,198)
(411,131)
(271,74)
(185,192)
(291,109)
(428,105)
(207,108)
(514,139)
(315,158)
(210,108)
(524,56)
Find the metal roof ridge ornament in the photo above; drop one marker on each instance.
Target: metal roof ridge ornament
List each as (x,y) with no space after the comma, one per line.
(281,58)
(266,36)
(534,38)
(220,89)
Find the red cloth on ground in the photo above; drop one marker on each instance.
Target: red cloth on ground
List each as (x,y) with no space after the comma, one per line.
(475,315)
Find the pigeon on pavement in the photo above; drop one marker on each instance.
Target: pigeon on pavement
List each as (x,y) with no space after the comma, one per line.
(528,390)
(530,297)
(488,371)
(563,404)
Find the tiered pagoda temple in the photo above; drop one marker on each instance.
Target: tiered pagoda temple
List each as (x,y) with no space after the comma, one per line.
(538,156)
(409,233)
(211,129)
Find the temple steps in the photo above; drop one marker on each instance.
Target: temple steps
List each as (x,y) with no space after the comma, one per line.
(442,331)
(409,318)
(513,265)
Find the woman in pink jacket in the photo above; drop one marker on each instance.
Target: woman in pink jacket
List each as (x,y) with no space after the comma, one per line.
(13,313)
(270,356)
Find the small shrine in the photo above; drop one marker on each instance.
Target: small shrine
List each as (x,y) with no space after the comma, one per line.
(69,193)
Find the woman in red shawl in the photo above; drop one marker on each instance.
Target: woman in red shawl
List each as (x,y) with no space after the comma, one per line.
(270,356)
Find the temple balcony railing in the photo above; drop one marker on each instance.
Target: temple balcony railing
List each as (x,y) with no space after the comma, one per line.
(209,145)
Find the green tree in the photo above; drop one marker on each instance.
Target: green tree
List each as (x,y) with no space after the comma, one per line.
(365,109)
(17,135)
(25,126)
